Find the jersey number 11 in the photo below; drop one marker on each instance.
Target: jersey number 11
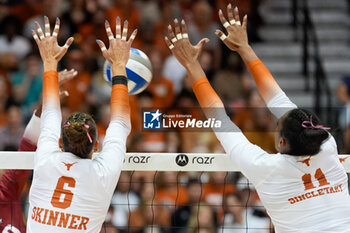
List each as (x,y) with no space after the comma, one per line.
(318,175)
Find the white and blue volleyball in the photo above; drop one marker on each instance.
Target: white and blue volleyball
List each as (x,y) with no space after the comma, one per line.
(138,71)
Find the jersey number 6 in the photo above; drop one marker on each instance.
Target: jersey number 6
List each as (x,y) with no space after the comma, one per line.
(59,191)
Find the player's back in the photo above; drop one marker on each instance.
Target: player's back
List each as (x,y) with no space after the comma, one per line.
(307,194)
(69,194)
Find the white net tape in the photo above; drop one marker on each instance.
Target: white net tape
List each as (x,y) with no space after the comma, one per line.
(151,161)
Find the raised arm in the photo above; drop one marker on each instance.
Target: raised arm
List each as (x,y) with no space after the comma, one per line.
(237,40)
(51,53)
(248,157)
(110,161)
(118,55)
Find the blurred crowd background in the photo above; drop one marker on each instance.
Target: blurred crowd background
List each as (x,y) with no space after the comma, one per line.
(170,202)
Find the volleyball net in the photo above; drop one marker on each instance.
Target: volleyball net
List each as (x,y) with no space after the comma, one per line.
(172,192)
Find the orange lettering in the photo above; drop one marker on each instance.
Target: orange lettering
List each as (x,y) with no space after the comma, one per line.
(327,189)
(316,193)
(83,223)
(336,188)
(68,195)
(34,213)
(38,215)
(320,192)
(291,200)
(74,217)
(45,215)
(300,198)
(63,220)
(313,194)
(52,218)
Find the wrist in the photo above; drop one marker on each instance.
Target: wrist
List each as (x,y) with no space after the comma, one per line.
(243,48)
(192,65)
(195,71)
(247,54)
(119,79)
(118,69)
(50,65)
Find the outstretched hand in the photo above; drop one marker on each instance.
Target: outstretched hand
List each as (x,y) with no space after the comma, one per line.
(66,75)
(119,47)
(51,53)
(179,44)
(236,33)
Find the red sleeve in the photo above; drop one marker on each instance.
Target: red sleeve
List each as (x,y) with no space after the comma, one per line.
(13,181)
(26,145)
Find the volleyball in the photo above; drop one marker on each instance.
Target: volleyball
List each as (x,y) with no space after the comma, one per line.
(138,71)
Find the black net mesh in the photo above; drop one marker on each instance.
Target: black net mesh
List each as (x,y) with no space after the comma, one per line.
(185,202)
(178,202)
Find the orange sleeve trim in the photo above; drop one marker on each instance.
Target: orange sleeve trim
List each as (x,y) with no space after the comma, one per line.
(264,80)
(253,63)
(205,94)
(199,82)
(50,87)
(50,73)
(120,106)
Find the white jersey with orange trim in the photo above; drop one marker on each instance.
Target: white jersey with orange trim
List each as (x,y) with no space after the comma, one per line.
(300,193)
(70,194)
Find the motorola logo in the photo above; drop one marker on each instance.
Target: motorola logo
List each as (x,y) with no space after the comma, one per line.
(181,160)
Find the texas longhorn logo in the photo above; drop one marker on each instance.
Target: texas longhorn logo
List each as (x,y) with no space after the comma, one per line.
(342,160)
(306,161)
(69,165)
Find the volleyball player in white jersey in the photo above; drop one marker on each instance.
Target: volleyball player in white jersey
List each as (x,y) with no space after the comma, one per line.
(71,191)
(304,187)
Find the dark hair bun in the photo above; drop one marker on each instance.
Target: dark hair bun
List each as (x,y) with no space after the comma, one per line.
(313,138)
(76,130)
(302,140)
(76,136)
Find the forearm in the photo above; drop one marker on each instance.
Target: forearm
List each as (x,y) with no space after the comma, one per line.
(229,135)
(51,90)
(265,82)
(267,85)
(247,54)
(120,107)
(269,90)
(31,134)
(205,94)
(50,125)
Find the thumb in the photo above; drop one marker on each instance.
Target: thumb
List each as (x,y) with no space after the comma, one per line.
(202,42)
